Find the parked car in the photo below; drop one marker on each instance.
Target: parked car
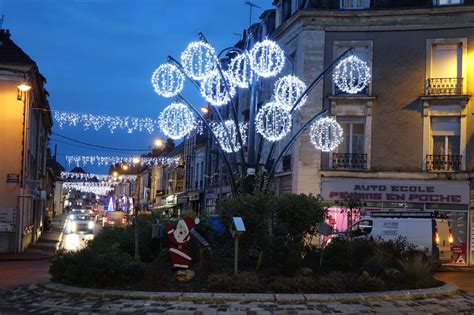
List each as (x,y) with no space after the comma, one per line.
(80,222)
(93,211)
(114,219)
(429,233)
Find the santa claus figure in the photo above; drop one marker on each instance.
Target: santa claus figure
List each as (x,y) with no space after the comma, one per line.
(179,242)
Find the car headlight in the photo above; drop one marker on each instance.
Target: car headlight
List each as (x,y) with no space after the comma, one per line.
(90,225)
(71,216)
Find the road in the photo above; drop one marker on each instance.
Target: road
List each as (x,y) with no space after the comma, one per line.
(17,273)
(463,279)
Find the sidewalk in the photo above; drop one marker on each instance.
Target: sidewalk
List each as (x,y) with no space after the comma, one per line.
(46,245)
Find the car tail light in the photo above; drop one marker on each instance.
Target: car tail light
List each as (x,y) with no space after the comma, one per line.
(123,221)
(451,239)
(437,240)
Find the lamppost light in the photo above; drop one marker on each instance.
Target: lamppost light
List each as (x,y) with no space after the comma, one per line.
(159,142)
(136,160)
(204,109)
(24,87)
(115,174)
(124,167)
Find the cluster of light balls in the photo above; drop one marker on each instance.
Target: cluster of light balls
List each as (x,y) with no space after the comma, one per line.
(167,80)
(326,134)
(265,59)
(227,135)
(351,75)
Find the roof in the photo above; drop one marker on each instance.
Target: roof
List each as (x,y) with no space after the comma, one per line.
(55,166)
(78,169)
(10,53)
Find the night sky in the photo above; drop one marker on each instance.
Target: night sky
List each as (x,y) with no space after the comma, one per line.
(98,55)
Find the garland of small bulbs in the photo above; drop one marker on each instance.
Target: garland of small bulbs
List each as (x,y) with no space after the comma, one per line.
(101,177)
(108,160)
(87,187)
(274,120)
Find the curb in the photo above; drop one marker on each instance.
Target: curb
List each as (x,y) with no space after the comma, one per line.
(445,290)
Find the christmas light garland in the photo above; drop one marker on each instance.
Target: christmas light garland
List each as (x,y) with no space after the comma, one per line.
(288,89)
(198,60)
(213,88)
(100,177)
(109,160)
(267,58)
(88,187)
(228,139)
(240,71)
(326,134)
(97,122)
(273,121)
(176,121)
(167,80)
(351,75)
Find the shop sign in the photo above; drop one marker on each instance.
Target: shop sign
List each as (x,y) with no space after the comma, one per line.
(13,178)
(7,219)
(393,190)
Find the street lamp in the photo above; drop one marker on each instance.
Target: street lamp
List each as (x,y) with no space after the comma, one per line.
(22,89)
(218,76)
(158,143)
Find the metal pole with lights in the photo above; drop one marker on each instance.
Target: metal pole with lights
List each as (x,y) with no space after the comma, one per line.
(272,122)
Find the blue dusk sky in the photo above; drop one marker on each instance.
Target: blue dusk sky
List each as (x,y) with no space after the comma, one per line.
(98,55)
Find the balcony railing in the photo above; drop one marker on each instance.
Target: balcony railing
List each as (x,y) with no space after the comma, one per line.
(443,162)
(444,86)
(349,161)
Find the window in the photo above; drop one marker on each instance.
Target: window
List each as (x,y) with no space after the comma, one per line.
(445,144)
(445,68)
(355,4)
(351,152)
(447,2)
(361,228)
(363,50)
(353,134)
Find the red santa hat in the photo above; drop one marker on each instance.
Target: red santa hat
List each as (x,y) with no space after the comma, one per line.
(191,222)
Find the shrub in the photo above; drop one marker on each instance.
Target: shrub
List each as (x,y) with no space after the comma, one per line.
(242,282)
(96,269)
(416,272)
(124,239)
(367,283)
(276,226)
(334,282)
(293,285)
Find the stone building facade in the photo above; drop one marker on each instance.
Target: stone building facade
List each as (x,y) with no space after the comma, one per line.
(409,141)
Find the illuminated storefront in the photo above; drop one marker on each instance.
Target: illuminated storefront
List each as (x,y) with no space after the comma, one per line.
(447,197)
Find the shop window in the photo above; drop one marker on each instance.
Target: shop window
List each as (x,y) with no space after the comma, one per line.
(445,144)
(355,4)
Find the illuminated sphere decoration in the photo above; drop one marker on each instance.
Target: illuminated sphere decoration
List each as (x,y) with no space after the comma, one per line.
(176,121)
(167,80)
(240,71)
(213,88)
(228,139)
(273,121)
(351,75)
(326,134)
(198,60)
(267,58)
(288,90)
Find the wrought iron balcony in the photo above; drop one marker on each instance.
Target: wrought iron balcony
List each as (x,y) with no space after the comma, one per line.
(443,86)
(443,162)
(349,161)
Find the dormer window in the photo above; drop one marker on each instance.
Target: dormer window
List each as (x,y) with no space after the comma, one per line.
(355,4)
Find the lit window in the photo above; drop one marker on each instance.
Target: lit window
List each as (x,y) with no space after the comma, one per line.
(447,2)
(355,4)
